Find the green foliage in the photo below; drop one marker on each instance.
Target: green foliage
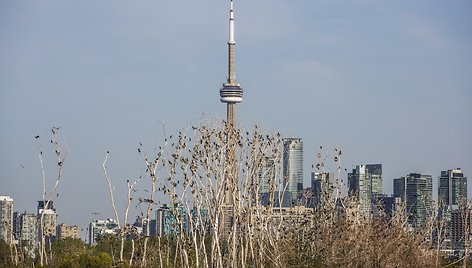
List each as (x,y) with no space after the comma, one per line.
(68,246)
(87,259)
(5,255)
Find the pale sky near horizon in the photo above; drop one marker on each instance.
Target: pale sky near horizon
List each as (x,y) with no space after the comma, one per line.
(387,81)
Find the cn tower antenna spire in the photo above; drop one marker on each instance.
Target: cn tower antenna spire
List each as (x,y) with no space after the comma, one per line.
(231,25)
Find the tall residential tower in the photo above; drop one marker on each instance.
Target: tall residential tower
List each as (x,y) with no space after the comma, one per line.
(293,168)
(6,219)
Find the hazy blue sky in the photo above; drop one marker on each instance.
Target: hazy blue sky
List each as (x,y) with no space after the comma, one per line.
(387,81)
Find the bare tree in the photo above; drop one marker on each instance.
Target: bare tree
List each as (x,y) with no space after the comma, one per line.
(48,196)
(213,221)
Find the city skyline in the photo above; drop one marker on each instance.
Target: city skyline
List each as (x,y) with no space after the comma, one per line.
(388,83)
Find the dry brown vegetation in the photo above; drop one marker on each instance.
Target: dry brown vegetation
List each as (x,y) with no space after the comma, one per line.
(189,171)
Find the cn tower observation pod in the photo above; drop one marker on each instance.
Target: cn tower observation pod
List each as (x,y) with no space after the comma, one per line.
(231,94)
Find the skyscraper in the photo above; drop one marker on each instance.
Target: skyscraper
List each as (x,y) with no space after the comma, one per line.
(452,187)
(416,190)
(321,186)
(293,168)
(365,182)
(452,197)
(6,219)
(266,182)
(266,175)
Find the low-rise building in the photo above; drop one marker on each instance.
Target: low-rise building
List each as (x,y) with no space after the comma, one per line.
(65,231)
(99,228)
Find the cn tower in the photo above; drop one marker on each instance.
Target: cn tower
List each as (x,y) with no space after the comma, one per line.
(231,93)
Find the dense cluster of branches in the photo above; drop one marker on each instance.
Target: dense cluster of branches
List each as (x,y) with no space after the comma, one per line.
(217,222)
(190,172)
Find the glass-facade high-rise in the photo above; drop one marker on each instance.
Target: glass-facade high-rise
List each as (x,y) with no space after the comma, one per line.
(266,175)
(168,217)
(416,190)
(452,187)
(452,197)
(322,185)
(365,182)
(293,168)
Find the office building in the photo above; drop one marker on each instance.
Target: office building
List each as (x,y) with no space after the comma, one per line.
(152,228)
(452,187)
(452,198)
(100,228)
(171,221)
(322,186)
(200,220)
(266,175)
(416,190)
(266,181)
(66,231)
(386,205)
(293,168)
(365,183)
(6,219)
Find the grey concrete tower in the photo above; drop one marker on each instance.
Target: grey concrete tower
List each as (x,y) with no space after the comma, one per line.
(231,93)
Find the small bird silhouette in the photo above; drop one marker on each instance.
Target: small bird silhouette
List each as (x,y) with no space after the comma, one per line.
(36,137)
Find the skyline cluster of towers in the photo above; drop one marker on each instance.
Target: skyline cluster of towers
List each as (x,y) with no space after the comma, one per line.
(25,228)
